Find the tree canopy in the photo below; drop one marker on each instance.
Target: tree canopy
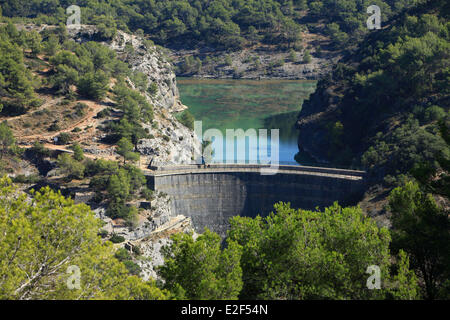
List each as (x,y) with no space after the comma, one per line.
(421,228)
(227,24)
(16,81)
(291,254)
(200,270)
(40,239)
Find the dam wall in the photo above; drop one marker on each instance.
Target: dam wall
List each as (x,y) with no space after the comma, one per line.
(211,195)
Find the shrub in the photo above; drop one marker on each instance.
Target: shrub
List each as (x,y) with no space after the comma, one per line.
(80,109)
(104,113)
(187,119)
(7,140)
(70,167)
(77,152)
(118,210)
(122,254)
(125,149)
(101,166)
(278,63)
(132,267)
(39,149)
(94,85)
(137,250)
(153,89)
(116,239)
(147,194)
(434,113)
(64,138)
(103,233)
(228,61)
(26,179)
(307,57)
(292,55)
(54,127)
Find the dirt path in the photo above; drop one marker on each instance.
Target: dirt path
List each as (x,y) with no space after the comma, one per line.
(56,147)
(86,121)
(46,104)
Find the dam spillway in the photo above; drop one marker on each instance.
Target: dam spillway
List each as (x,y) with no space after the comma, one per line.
(210,195)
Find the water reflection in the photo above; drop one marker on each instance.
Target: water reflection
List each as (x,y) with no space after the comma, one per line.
(245,104)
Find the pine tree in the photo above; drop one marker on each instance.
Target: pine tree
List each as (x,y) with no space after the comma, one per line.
(6,138)
(42,249)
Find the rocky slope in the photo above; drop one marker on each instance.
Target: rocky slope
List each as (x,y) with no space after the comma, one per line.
(316,114)
(260,61)
(373,111)
(171,143)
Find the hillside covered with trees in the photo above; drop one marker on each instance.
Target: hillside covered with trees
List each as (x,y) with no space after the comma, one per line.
(384,108)
(226,24)
(292,254)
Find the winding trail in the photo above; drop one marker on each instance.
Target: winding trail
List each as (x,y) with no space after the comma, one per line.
(86,121)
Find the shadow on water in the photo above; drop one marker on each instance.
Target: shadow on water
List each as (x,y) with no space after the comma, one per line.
(285,122)
(242,104)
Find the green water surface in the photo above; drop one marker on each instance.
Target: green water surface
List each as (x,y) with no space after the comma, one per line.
(245,104)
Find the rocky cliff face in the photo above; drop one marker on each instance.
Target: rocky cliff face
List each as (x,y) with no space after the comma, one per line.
(156,224)
(316,114)
(151,61)
(142,57)
(170,143)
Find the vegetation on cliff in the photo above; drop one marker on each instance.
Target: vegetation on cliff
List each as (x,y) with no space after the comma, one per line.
(385,107)
(292,254)
(43,242)
(54,66)
(224,24)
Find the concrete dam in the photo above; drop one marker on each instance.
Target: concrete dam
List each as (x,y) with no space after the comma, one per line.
(211,194)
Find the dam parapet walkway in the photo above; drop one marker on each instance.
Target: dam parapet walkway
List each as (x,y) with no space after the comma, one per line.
(284,169)
(211,194)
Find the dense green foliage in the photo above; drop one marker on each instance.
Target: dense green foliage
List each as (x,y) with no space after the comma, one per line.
(297,254)
(17,84)
(125,149)
(136,110)
(117,186)
(86,67)
(6,139)
(291,254)
(421,228)
(70,167)
(124,256)
(78,153)
(113,184)
(41,238)
(346,19)
(228,24)
(200,270)
(390,97)
(89,69)
(187,119)
(385,105)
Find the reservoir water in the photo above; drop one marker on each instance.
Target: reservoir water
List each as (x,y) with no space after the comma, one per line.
(247,104)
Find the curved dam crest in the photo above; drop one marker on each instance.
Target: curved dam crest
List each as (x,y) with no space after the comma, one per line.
(211,194)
